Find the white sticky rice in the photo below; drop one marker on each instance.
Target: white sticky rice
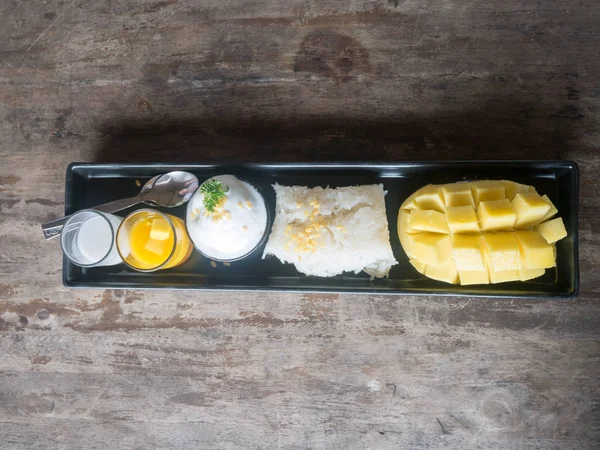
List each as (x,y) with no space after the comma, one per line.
(353,230)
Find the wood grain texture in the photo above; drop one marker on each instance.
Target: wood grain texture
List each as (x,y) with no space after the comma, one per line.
(291,81)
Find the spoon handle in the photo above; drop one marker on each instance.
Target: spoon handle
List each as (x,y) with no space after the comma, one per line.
(54,228)
(118,205)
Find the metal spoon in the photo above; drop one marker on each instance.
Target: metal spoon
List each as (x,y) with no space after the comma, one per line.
(168,190)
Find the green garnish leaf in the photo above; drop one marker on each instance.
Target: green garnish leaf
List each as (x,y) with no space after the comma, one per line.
(213,193)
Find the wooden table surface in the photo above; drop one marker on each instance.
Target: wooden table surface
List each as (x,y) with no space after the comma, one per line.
(297,80)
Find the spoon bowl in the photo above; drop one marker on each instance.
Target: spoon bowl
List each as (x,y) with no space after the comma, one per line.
(171,189)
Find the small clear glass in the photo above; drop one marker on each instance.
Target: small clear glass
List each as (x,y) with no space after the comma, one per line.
(88,239)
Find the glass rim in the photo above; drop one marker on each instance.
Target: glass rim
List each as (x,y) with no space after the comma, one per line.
(112,235)
(169,221)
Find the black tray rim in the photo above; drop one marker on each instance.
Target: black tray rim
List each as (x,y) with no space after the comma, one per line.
(562,163)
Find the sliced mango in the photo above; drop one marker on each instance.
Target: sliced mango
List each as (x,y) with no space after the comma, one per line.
(445,272)
(529,274)
(410,203)
(467,277)
(428,220)
(502,276)
(486,190)
(430,197)
(420,266)
(462,219)
(530,209)
(458,194)
(552,212)
(403,227)
(431,248)
(502,250)
(536,253)
(467,252)
(496,215)
(553,230)
(512,188)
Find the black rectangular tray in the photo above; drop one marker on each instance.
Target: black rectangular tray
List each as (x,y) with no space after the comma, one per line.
(88,185)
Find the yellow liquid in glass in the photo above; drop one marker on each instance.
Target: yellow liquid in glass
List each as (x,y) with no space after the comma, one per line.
(152,241)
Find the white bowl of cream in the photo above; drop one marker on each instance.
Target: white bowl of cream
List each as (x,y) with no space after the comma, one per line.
(229,221)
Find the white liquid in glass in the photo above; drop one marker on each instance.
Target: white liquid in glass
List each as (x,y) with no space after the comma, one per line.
(94,240)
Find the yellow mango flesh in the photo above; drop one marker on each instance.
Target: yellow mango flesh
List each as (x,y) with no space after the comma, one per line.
(409,203)
(502,251)
(462,219)
(480,232)
(536,253)
(428,220)
(445,272)
(552,212)
(529,274)
(496,215)
(467,252)
(487,190)
(430,248)
(512,188)
(458,194)
(467,277)
(420,266)
(552,231)
(430,197)
(502,276)
(530,209)
(404,224)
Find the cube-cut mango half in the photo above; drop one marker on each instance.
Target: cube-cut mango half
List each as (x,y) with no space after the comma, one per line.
(428,220)
(486,190)
(530,208)
(480,232)
(536,253)
(462,219)
(552,231)
(458,194)
(496,215)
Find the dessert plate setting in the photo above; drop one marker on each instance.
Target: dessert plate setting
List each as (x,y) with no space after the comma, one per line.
(459,228)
